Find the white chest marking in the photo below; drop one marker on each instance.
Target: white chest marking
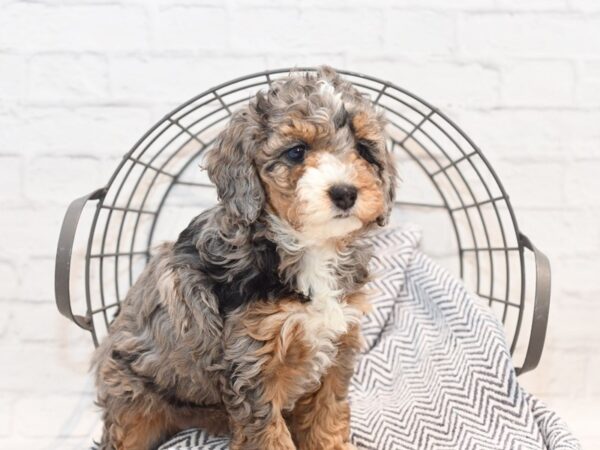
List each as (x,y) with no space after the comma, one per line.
(327,316)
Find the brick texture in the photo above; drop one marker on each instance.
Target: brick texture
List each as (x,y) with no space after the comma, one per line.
(80,81)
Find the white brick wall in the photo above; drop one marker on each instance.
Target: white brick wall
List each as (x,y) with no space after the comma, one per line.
(81,80)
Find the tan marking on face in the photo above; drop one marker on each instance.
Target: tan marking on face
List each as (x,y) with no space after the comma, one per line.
(301,209)
(304,130)
(366,126)
(370,202)
(299,194)
(280,186)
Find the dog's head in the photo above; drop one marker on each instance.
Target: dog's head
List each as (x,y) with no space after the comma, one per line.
(310,151)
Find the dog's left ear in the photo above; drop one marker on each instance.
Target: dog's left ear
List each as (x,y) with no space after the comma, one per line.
(231,168)
(391,176)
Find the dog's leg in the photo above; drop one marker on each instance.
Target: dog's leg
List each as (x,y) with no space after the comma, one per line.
(270,367)
(322,420)
(135,418)
(133,429)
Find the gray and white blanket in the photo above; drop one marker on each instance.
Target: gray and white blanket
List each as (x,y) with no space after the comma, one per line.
(437,372)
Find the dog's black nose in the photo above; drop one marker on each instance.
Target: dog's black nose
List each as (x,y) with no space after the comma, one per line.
(343,195)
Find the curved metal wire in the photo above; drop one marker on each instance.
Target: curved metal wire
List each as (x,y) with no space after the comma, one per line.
(145,181)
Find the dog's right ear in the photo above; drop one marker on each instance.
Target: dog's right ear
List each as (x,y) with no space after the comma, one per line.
(231,168)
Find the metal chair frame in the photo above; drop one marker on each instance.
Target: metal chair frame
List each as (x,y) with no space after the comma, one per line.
(466,183)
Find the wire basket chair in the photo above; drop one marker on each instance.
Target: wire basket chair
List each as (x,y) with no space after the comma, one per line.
(448,187)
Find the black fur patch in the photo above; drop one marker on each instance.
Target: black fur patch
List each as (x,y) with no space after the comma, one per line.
(127,358)
(341,118)
(186,240)
(257,279)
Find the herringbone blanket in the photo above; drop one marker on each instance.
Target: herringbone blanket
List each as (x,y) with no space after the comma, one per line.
(436,373)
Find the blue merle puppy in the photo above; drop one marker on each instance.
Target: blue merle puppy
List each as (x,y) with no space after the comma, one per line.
(248,324)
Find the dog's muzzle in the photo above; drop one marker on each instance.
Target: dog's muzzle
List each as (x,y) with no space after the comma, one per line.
(343,196)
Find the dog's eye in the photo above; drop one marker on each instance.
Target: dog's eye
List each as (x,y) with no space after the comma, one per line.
(296,153)
(365,152)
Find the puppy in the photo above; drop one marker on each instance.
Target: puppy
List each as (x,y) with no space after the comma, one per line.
(249,322)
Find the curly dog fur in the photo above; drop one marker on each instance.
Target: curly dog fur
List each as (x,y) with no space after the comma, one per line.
(249,322)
